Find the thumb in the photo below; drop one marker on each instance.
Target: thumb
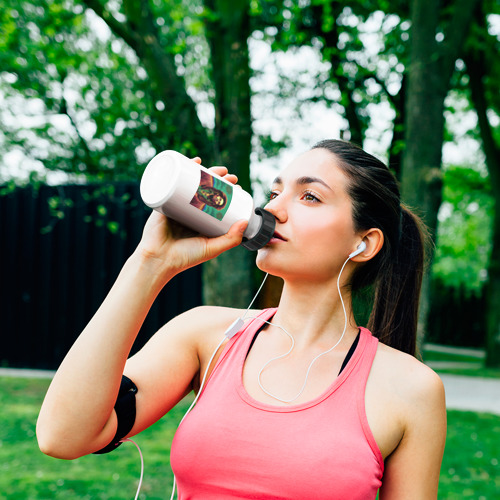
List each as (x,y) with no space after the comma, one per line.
(231,239)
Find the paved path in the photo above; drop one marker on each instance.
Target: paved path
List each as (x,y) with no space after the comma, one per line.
(26,373)
(472,393)
(462,392)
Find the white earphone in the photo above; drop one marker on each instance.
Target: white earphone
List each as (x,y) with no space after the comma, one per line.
(361,248)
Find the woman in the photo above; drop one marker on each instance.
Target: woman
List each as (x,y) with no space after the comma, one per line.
(340,416)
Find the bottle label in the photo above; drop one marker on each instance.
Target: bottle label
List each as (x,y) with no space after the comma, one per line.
(213,196)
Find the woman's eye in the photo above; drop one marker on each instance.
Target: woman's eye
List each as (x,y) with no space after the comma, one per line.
(271,195)
(310,197)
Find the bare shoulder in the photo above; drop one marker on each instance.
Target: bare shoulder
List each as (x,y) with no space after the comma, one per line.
(206,316)
(205,325)
(407,378)
(408,415)
(206,320)
(405,402)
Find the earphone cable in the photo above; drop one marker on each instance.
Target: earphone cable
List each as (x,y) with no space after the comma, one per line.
(255,296)
(293,343)
(142,466)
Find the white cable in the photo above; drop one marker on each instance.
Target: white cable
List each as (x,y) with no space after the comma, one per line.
(255,296)
(142,467)
(293,343)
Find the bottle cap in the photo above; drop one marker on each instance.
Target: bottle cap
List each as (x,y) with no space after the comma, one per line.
(265,232)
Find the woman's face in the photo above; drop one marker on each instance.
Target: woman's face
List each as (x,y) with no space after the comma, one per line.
(314,228)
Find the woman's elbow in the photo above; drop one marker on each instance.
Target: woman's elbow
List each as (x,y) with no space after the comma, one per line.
(54,449)
(54,444)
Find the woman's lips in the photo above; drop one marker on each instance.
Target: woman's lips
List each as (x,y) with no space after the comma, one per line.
(277,237)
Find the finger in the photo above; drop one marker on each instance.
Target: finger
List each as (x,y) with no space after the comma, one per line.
(219,170)
(223,172)
(215,246)
(233,179)
(197,159)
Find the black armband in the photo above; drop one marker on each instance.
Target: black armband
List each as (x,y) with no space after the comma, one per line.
(125,412)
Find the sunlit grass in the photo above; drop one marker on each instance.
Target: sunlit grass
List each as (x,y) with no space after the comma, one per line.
(471,464)
(470,467)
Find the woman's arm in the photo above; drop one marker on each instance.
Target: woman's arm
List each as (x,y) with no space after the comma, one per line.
(174,360)
(412,470)
(77,414)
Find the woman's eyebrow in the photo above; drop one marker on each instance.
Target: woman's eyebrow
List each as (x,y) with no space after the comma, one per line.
(311,180)
(304,180)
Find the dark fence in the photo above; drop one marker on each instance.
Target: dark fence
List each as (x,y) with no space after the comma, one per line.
(457,318)
(61,249)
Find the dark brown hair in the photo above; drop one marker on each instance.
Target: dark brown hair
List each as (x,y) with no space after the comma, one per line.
(396,271)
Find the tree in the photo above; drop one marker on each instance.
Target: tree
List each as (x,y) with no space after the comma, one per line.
(96,110)
(483,70)
(134,91)
(435,45)
(228,30)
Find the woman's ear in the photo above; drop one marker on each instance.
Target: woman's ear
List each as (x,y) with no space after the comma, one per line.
(374,240)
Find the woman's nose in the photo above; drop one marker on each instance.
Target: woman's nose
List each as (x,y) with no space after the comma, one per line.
(276,206)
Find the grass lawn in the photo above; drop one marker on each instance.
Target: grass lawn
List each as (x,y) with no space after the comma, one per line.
(470,468)
(459,364)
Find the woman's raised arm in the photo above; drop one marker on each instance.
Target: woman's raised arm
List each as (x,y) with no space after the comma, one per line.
(77,414)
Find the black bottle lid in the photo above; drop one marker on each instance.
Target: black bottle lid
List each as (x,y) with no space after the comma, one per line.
(265,232)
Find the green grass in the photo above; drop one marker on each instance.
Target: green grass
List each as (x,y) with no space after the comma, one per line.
(451,357)
(470,467)
(472,366)
(471,463)
(27,474)
(472,372)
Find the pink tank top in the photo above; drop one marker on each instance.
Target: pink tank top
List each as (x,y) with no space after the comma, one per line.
(233,447)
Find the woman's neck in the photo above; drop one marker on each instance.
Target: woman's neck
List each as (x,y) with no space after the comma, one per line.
(314,313)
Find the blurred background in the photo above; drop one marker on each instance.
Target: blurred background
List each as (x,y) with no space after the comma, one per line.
(91,90)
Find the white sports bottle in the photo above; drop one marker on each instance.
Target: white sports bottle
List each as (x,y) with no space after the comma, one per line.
(181,189)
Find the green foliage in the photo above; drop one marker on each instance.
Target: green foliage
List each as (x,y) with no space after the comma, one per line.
(268,147)
(465,225)
(77,98)
(364,43)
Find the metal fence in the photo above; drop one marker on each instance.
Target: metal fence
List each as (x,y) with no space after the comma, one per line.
(61,248)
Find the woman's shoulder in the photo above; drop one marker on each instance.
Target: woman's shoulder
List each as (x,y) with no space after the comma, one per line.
(216,315)
(208,321)
(409,379)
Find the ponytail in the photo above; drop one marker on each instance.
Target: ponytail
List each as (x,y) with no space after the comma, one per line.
(396,272)
(394,315)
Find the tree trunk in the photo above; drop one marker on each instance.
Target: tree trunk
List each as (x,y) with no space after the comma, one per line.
(477,68)
(421,179)
(228,279)
(431,66)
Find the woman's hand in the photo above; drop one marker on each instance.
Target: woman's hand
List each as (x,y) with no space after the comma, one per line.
(176,248)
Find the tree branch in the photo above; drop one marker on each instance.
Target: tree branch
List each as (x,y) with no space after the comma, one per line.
(118,28)
(141,33)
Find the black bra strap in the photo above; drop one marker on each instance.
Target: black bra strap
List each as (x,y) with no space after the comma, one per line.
(351,352)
